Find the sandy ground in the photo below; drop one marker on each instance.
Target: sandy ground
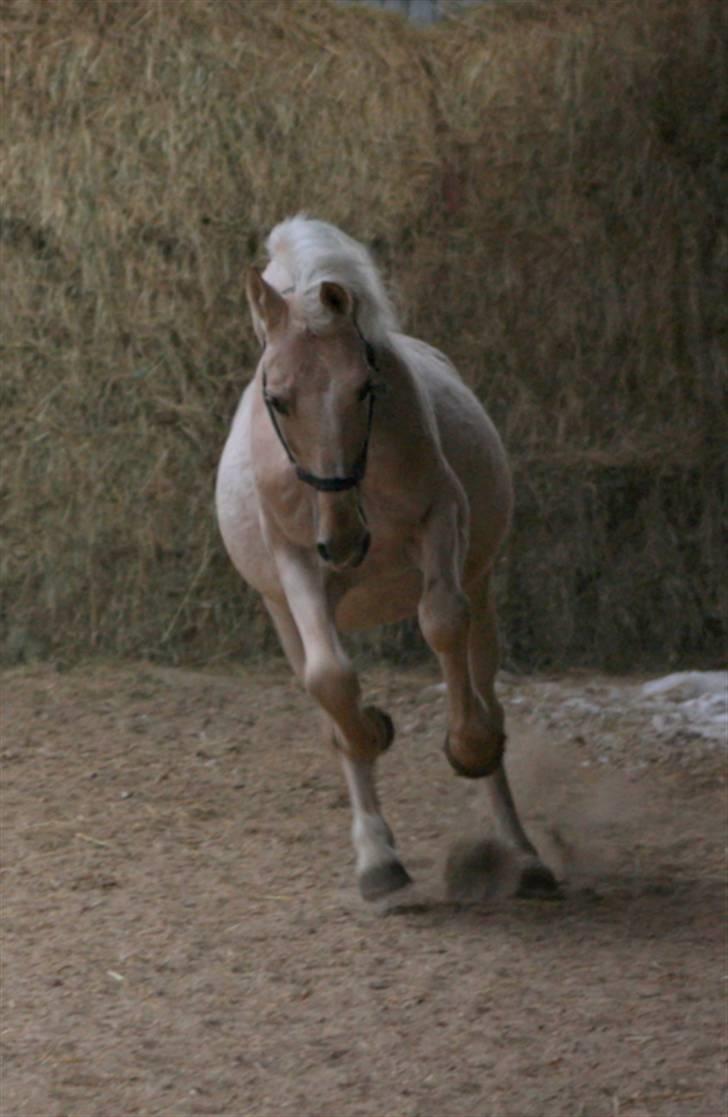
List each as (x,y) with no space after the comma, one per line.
(182,932)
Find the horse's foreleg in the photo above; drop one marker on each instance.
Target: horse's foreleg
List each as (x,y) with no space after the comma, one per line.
(379,870)
(288,635)
(536,878)
(359,732)
(474,745)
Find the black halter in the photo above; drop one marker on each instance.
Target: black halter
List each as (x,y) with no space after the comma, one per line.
(329,484)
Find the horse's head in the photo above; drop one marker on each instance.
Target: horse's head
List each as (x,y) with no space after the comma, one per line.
(318,384)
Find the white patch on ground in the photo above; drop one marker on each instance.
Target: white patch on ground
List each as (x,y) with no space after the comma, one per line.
(691,702)
(621,721)
(638,722)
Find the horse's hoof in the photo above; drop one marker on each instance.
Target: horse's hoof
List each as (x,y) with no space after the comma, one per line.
(388,730)
(381,880)
(387,724)
(480,870)
(474,771)
(538,883)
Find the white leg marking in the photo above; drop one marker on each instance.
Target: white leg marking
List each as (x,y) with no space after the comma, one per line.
(372,838)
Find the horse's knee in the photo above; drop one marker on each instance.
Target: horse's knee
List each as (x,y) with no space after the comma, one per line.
(362,732)
(444,617)
(330,683)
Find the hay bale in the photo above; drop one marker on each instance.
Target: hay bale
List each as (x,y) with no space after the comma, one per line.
(542,181)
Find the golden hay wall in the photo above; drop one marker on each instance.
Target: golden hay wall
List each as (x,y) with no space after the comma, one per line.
(542,182)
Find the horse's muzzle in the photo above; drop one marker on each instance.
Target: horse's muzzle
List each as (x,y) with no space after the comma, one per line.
(344,557)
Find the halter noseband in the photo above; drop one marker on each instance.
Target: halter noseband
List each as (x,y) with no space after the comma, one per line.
(329,484)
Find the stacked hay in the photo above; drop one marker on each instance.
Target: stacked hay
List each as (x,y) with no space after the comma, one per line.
(542,182)
(588,166)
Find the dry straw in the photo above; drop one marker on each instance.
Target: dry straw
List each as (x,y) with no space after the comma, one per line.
(543,183)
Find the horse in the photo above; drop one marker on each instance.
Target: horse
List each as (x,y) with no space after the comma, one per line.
(363,483)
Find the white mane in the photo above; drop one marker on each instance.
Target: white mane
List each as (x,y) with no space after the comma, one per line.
(305,253)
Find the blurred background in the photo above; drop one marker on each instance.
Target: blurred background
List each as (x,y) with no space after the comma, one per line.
(544,185)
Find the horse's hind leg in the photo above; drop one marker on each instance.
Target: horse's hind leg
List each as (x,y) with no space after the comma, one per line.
(379,870)
(536,878)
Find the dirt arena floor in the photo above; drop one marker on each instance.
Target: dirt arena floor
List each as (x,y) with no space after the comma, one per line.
(182,932)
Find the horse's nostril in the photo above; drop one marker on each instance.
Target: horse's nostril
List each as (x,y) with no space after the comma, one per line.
(364,549)
(341,557)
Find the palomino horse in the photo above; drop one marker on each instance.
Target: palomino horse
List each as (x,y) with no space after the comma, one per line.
(362,483)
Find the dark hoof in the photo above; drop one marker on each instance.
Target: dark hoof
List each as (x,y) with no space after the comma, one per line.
(381,880)
(538,883)
(480,870)
(387,724)
(388,730)
(474,771)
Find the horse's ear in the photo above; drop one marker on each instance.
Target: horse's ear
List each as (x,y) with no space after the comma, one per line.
(337,299)
(267,307)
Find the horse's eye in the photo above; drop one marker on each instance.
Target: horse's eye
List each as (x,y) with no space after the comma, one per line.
(277,404)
